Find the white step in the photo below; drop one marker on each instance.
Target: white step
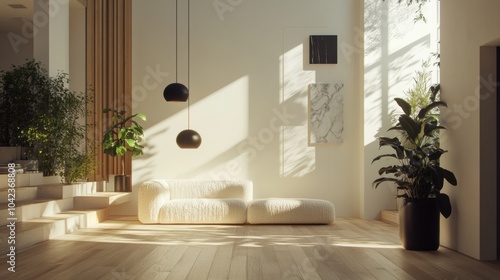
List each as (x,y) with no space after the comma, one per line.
(20,194)
(32,209)
(44,207)
(65,190)
(55,191)
(21,180)
(52,226)
(100,200)
(29,179)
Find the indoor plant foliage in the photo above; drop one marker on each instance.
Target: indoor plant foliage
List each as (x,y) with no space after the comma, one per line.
(124,135)
(418,174)
(79,166)
(41,113)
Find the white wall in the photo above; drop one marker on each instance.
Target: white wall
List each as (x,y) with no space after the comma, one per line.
(394,46)
(466,26)
(77,45)
(15,48)
(51,35)
(248,87)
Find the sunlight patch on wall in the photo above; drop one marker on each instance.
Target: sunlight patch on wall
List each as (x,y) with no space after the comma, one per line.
(297,158)
(221,119)
(372,103)
(294,78)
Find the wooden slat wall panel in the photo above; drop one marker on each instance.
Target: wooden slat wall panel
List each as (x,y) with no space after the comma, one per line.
(109,73)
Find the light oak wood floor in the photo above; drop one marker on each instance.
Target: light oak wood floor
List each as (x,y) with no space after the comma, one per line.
(123,248)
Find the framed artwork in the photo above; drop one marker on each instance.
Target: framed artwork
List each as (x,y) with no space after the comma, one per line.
(323,49)
(326,113)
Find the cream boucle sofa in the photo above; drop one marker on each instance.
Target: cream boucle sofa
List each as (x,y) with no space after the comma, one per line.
(194,201)
(224,202)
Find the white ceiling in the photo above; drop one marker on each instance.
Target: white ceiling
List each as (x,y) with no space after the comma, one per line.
(11,18)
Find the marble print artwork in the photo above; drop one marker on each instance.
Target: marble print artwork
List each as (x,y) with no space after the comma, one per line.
(326,113)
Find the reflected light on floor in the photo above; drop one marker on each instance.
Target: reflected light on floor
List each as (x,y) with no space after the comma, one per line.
(368,245)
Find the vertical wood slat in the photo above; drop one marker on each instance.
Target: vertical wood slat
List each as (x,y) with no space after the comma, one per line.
(108,73)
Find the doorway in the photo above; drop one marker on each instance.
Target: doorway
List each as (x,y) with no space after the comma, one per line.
(498,153)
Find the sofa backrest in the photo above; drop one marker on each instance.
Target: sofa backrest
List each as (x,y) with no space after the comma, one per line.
(239,189)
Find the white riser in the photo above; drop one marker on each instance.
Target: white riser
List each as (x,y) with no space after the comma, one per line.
(45,228)
(66,191)
(29,179)
(21,194)
(57,191)
(44,207)
(36,210)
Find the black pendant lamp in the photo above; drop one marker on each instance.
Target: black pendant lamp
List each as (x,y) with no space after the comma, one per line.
(176,91)
(188,138)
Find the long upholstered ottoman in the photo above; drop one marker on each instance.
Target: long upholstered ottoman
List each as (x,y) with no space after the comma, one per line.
(290,211)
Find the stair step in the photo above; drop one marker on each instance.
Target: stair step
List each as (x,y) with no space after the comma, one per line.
(22,179)
(21,193)
(32,209)
(53,191)
(66,190)
(29,179)
(45,208)
(390,216)
(52,226)
(100,200)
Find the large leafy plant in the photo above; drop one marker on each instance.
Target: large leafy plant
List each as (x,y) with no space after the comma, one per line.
(418,174)
(41,113)
(124,135)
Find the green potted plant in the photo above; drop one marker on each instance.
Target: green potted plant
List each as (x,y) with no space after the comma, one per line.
(79,165)
(41,114)
(417,174)
(125,135)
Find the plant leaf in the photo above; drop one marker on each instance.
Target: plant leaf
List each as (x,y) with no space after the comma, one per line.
(409,125)
(429,128)
(436,154)
(449,176)
(434,89)
(381,180)
(120,150)
(388,170)
(404,105)
(141,116)
(429,107)
(385,155)
(444,204)
(130,142)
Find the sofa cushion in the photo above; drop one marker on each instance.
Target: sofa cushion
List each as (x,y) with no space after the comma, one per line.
(233,189)
(290,211)
(152,196)
(203,211)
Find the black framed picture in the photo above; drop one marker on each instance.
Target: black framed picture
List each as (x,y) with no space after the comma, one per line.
(323,49)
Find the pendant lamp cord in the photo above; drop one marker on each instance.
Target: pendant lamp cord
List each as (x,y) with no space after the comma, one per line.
(176,40)
(188,33)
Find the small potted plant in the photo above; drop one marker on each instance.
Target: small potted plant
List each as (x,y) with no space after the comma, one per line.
(125,135)
(418,175)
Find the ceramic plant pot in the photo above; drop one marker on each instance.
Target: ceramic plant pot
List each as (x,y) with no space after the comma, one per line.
(419,224)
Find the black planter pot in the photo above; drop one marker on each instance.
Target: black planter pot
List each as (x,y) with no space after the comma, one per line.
(419,224)
(122,183)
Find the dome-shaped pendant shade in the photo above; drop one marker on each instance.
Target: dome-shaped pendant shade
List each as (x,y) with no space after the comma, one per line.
(188,139)
(176,92)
